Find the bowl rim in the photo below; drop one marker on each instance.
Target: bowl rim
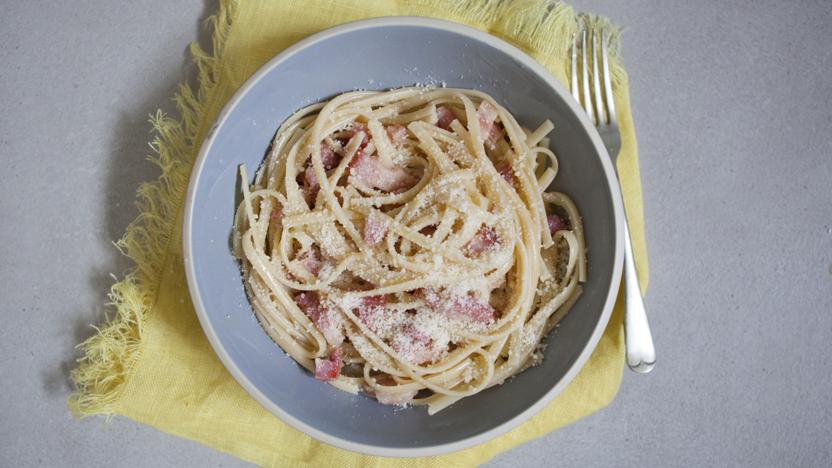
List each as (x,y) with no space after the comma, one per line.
(437,449)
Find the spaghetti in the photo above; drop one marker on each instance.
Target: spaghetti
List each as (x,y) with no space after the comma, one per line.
(400,243)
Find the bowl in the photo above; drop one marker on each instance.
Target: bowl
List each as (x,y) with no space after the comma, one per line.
(380,54)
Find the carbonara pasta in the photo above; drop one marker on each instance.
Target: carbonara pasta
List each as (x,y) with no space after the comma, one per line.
(401,243)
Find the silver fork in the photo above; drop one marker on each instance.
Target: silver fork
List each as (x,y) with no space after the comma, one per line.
(641,354)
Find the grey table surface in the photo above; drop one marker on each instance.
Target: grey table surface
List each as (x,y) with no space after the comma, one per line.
(733,107)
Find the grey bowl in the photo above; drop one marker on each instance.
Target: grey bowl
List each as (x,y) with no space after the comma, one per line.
(379,54)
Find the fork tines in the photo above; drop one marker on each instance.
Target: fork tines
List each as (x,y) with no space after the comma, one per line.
(586,84)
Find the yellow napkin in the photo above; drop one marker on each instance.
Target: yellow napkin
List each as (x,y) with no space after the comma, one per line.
(151,361)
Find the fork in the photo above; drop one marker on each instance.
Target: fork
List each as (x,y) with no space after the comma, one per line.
(641,354)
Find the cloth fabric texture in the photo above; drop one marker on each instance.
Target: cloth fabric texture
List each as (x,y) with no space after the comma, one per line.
(151,362)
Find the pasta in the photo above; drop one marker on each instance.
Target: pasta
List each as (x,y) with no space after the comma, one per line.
(401,243)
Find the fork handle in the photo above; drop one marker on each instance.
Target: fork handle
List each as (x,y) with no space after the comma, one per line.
(641,354)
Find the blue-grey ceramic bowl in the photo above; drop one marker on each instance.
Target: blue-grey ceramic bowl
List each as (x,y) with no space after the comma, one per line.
(379,54)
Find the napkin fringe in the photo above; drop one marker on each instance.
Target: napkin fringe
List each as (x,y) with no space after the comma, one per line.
(110,354)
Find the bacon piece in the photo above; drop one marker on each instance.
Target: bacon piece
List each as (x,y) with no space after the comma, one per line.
(374,173)
(324,318)
(467,306)
(277,215)
(329,158)
(485,238)
(415,345)
(374,229)
(309,303)
(507,173)
(330,329)
(416,335)
(397,134)
(371,310)
(444,117)
(494,134)
(355,129)
(311,260)
(487,114)
(374,301)
(489,129)
(369,316)
(555,223)
(330,368)
(311,187)
(472,308)
(356,159)
(360,153)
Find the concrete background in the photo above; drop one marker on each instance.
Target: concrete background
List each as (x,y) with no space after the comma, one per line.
(732,102)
